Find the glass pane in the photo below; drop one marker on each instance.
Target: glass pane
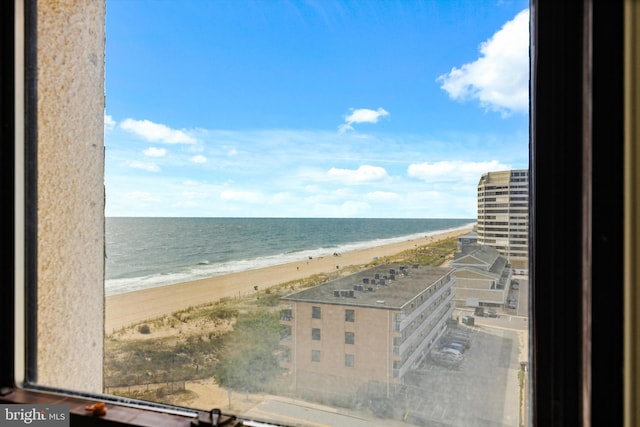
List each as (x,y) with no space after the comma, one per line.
(319,203)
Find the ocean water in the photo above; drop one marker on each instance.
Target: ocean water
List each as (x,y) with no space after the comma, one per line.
(149,252)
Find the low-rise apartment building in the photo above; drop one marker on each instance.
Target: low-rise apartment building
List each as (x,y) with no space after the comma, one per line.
(482,277)
(365,330)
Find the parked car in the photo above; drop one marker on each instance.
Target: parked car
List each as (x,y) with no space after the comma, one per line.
(446,362)
(449,350)
(492,313)
(468,320)
(458,338)
(448,359)
(515,285)
(453,345)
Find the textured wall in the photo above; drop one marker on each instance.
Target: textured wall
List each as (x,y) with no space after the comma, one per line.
(70,193)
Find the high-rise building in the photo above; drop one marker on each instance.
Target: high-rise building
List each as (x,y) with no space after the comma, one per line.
(503,214)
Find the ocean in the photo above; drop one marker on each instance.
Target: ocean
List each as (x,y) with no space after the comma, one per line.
(149,252)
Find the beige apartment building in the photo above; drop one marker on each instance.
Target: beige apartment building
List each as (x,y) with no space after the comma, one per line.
(361,334)
(503,214)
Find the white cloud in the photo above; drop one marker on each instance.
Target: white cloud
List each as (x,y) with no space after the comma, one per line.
(362,115)
(109,123)
(364,173)
(157,132)
(149,167)
(199,159)
(499,79)
(155,152)
(382,196)
(242,196)
(453,171)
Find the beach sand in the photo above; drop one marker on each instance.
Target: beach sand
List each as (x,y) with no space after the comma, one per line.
(134,307)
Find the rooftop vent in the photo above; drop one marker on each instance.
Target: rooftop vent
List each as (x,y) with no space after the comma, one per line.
(336,293)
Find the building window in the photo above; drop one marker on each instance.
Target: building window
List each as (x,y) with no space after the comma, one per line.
(316,313)
(349,338)
(315,334)
(349,360)
(349,315)
(315,355)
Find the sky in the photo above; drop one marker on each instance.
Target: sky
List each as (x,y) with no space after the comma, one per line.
(312,108)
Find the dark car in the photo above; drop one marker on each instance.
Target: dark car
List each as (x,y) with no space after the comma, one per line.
(468,320)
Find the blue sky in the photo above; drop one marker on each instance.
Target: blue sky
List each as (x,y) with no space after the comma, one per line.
(317,108)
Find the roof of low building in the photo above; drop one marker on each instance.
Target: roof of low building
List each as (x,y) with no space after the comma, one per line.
(486,254)
(399,287)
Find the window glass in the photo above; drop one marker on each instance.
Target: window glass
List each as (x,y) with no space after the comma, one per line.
(271,168)
(315,334)
(349,315)
(349,338)
(349,360)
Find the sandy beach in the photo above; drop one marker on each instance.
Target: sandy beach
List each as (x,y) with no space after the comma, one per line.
(134,307)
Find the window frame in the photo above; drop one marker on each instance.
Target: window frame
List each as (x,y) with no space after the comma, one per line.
(575,240)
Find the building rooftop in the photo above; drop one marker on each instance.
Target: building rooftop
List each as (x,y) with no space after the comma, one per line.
(387,286)
(485,254)
(473,257)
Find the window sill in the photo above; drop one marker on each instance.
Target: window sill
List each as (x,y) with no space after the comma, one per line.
(117,415)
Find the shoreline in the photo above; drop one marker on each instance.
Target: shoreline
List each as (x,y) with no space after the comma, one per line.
(130,308)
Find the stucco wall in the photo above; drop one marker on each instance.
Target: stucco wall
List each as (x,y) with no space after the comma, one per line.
(70,88)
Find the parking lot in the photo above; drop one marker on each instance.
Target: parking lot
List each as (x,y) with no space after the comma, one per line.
(483,390)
